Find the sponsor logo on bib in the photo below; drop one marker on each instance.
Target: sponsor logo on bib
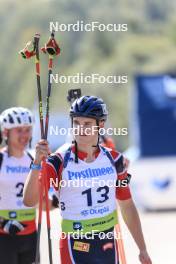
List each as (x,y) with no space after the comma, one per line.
(77,226)
(93,211)
(18,169)
(12,214)
(80,246)
(90,173)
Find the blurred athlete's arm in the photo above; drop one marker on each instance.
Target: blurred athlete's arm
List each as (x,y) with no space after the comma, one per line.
(132,220)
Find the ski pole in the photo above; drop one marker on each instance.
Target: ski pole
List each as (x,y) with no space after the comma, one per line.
(32,49)
(120,243)
(43,171)
(52,49)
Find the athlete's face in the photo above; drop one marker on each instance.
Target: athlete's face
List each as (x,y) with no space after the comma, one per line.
(19,137)
(86,130)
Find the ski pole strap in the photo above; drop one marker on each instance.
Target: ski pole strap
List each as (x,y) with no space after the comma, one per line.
(51,47)
(28,51)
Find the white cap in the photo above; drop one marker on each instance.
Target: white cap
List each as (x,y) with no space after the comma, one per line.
(16,117)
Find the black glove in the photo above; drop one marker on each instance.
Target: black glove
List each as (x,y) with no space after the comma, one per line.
(55,201)
(12,227)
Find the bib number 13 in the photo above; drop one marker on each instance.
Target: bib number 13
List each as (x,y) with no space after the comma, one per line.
(103,195)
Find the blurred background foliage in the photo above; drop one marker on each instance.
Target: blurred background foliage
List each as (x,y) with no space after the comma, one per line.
(149,46)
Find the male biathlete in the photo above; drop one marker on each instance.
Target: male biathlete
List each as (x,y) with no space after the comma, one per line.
(87,196)
(17,222)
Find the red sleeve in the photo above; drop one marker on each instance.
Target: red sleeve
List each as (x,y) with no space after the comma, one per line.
(54,166)
(122,193)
